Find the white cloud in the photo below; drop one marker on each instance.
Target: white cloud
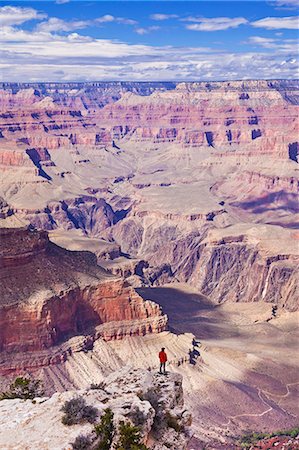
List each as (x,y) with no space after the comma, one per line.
(279,45)
(104,19)
(47,54)
(108,18)
(169,66)
(147,30)
(264,42)
(55,25)
(215,23)
(163,16)
(61,2)
(286,4)
(13,15)
(273,23)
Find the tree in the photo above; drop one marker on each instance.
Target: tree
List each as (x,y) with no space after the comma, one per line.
(24,388)
(105,430)
(129,438)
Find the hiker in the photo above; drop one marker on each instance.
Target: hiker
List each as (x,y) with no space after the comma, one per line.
(191,357)
(163,359)
(195,352)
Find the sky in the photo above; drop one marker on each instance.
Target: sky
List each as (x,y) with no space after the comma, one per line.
(72,40)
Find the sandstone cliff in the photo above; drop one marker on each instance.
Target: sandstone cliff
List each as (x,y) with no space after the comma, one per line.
(51,294)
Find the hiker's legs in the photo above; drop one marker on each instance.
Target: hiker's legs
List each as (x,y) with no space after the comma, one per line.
(162,367)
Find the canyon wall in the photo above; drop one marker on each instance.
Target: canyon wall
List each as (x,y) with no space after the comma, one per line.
(142,173)
(51,295)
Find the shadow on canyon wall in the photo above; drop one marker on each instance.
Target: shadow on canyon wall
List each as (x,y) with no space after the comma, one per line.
(190,313)
(287,202)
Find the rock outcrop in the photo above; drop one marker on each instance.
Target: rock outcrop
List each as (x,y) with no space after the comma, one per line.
(51,294)
(149,401)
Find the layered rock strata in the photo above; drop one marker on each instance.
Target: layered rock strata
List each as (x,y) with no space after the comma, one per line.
(51,294)
(149,169)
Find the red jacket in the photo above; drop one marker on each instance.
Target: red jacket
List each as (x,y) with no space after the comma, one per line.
(162,357)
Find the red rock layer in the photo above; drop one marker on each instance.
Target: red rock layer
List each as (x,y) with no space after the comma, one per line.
(52,294)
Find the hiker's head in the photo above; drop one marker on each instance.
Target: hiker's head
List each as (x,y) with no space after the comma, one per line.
(162,349)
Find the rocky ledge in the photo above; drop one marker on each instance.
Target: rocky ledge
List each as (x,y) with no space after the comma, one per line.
(51,294)
(150,401)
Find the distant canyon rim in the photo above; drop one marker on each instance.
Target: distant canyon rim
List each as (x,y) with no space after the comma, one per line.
(123,202)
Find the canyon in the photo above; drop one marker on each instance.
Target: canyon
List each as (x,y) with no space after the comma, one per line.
(119,199)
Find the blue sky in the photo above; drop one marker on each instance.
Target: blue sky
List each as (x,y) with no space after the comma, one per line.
(171,40)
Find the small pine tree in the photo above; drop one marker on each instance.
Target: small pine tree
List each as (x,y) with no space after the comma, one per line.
(105,430)
(24,388)
(129,438)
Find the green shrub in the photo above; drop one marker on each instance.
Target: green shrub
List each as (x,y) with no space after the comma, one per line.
(129,438)
(24,388)
(294,432)
(105,430)
(82,442)
(76,411)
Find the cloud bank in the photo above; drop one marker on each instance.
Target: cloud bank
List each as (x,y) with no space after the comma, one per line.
(54,50)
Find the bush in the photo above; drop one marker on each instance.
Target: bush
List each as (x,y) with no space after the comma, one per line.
(76,411)
(105,430)
(24,388)
(137,416)
(82,442)
(100,385)
(129,438)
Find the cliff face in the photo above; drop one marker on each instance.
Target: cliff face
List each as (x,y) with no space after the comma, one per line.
(192,114)
(236,271)
(51,294)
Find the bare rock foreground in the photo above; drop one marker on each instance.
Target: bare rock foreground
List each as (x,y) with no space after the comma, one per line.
(29,426)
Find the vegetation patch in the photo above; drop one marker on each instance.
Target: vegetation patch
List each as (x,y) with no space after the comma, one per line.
(82,442)
(129,438)
(250,439)
(100,385)
(77,411)
(24,388)
(105,430)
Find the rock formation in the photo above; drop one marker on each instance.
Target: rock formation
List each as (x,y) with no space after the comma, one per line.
(51,294)
(135,396)
(149,169)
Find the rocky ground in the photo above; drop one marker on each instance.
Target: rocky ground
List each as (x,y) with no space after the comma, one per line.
(151,402)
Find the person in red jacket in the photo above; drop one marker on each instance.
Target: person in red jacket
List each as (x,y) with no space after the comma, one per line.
(163,360)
